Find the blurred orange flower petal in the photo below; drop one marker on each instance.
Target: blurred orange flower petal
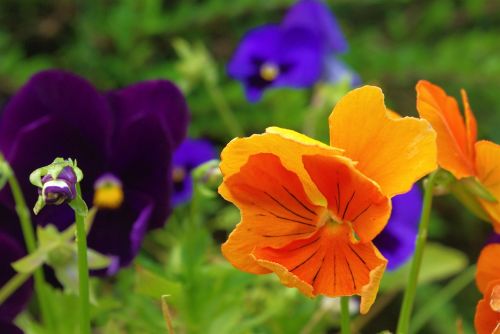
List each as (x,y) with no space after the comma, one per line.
(488,173)
(488,266)
(487,319)
(455,139)
(394,152)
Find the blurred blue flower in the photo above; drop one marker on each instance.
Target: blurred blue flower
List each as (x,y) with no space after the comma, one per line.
(397,241)
(297,53)
(130,133)
(190,154)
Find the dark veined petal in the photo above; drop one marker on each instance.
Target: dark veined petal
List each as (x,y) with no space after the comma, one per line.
(157,97)
(119,232)
(11,250)
(74,105)
(142,160)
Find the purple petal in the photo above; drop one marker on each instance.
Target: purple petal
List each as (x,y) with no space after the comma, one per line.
(142,161)
(295,52)
(9,328)
(494,238)
(397,241)
(160,98)
(11,251)
(119,232)
(335,70)
(315,16)
(70,100)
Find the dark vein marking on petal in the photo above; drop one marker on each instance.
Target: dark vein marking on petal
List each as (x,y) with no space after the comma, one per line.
(298,201)
(363,211)
(283,235)
(359,257)
(350,270)
(348,203)
(286,208)
(305,261)
(317,271)
(305,245)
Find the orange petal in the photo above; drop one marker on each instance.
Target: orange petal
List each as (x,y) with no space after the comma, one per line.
(455,140)
(487,319)
(393,152)
(330,262)
(488,266)
(288,144)
(488,173)
(470,124)
(274,207)
(351,196)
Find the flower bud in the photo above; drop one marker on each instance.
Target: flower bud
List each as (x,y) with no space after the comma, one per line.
(60,190)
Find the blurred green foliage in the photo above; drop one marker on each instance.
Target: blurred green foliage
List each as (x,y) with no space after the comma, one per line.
(393,43)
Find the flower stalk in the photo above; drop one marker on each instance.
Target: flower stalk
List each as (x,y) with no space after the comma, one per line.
(345,321)
(411,287)
(29,238)
(83,271)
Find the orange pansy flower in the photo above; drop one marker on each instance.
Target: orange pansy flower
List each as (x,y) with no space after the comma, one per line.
(309,211)
(487,319)
(458,149)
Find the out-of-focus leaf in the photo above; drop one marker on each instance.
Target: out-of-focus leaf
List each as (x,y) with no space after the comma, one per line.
(153,285)
(439,262)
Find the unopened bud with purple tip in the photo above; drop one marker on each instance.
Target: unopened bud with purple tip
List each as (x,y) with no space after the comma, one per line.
(56,183)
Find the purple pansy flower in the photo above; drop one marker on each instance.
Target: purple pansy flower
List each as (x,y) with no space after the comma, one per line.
(11,250)
(129,133)
(397,241)
(60,190)
(295,53)
(190,154)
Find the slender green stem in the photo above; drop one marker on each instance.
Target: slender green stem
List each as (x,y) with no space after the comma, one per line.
(345,321)
(83,270)
(225,112)
(442,297)
(411,287)
(29,238)
(12,285)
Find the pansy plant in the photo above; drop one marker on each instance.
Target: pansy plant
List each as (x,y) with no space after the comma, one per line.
(310,211)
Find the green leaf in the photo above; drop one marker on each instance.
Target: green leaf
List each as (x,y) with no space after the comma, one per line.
(97,260)
(79,206)
(153,285)
(439,262)
(31,262)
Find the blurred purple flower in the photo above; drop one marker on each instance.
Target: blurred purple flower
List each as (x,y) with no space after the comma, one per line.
(494,238)
(190,154)
(129,133)
(295,54)
(11,250)
(9,328)
(397,241)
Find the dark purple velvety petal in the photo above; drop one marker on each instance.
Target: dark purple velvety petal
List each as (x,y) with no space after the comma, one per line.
(494,238)
(397,241)
(183,190)
(12,250)
(160,98)
(119,232)
(142,160)
(9,328)
(315,16)
(47,140)
(66,98)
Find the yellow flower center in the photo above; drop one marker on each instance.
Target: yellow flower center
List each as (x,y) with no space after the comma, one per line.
(269,71)
(108,195)
(178,174)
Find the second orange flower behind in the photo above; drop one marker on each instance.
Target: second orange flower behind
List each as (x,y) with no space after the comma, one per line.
(310,211)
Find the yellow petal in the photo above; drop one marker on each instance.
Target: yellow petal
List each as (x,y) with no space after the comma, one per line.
(488,173)
(288,144)
(394,152)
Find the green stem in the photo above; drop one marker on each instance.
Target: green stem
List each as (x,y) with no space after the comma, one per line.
(12,285)
(345,321)
(442,297)
(29,238)
(223,109)
(411,287)
(83,270)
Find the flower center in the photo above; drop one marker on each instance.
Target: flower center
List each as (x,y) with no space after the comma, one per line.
(55,192)
(108,192)
(178,174)
(269,71)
